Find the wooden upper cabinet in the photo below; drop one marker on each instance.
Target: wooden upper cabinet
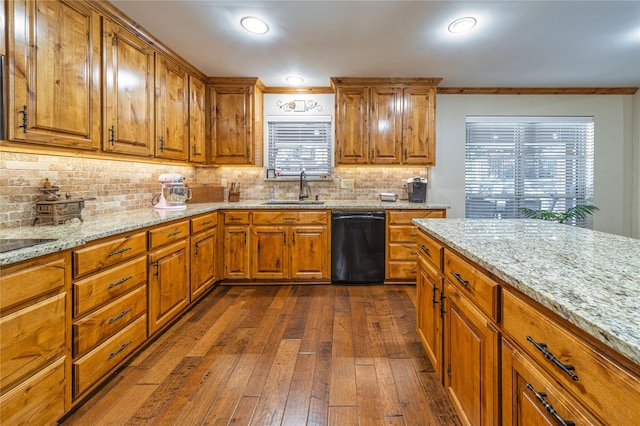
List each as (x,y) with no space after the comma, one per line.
(128,93)
(197,120)
(385,125)
(54,89)
(385,121)
(352,144)
(236,121)
(419,120)
(172,110)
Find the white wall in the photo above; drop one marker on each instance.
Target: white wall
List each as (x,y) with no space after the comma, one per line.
(615,184)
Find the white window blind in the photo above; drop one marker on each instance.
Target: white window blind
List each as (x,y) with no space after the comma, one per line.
(297,144)
(533,162)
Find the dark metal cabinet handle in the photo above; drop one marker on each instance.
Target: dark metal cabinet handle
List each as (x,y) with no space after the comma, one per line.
(24,119)
(120,349)
(206,222)
(156,274)
(540,396)
(542,347)
(174,233)
(442,311)
(112,135)
(120,281)
(196,246)
(122,250)
(120,315)
(414,252)
(460,280)
(434,301)
(424,248)
(235,218)
(161,143)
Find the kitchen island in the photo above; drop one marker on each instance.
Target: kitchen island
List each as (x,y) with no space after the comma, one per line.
(553,309)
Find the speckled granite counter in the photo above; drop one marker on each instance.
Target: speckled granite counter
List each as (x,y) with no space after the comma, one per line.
(75,233)
(590,278)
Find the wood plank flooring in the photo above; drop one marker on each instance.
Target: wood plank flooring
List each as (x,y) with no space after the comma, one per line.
(281,355)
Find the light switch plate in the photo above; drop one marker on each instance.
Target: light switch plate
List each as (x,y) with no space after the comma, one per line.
(223,182)
(346,183)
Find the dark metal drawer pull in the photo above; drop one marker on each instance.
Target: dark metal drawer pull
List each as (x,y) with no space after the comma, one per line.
(207,222)
(433,296)
(122,250)
(460,280)
(117,283)
(289,218)
(174,233)
(540,396)
(414,252)
(425,249)
(120,349)
(548,355)
(120,315)
(442,311)
(235,218)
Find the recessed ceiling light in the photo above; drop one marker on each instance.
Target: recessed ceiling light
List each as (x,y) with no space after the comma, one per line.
(254,25)
(462,25)
(294,79)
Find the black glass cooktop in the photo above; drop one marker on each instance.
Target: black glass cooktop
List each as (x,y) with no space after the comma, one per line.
(8,244)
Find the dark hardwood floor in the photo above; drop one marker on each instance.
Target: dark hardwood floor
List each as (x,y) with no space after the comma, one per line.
(281,355)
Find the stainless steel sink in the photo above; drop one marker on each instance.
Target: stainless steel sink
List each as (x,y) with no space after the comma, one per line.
(292,202)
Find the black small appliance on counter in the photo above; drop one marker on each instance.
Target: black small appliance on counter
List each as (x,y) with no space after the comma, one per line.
(417,190)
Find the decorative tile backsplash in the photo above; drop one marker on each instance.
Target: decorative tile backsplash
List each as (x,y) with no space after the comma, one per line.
(118,185)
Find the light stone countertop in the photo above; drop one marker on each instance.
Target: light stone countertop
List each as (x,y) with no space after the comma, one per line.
(590,278)
(75,233)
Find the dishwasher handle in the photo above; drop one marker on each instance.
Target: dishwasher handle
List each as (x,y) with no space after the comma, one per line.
(365,217)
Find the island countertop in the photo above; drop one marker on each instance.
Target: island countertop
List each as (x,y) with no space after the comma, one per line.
(590,278)
(75,233)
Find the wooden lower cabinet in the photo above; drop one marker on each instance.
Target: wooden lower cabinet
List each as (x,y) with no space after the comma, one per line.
(529,397)
(34,350)
(203,262)
(168,283)
(471,359)
(401,251)
(429,313)
(290,245)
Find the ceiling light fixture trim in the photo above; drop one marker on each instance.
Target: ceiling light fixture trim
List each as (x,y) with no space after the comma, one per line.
(462,25)
(254,25)
(294,79)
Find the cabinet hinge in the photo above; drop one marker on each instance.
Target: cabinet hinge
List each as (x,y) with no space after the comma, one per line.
(449,370)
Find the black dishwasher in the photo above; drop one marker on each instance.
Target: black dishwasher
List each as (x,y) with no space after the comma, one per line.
(357,246)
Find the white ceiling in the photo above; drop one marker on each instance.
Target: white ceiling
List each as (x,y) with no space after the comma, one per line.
(562,43)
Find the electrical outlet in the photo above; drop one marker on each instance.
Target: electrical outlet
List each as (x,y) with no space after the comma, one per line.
(223,182)
(346,183)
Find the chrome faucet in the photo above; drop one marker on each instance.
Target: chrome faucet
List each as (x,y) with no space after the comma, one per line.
(304,189)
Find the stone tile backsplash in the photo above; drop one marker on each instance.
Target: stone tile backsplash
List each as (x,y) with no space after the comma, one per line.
(118,185)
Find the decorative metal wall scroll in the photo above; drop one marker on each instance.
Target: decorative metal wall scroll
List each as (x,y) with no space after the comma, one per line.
(299,106)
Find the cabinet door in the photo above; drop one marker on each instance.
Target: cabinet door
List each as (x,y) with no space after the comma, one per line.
(197,120)
(385,125)
(309,250)
(168,283)
(236,252)
(429,316)
(55,80)
(269,255)
(231,124)
(352,142)
(471,354)
(203,262)
(128,93)
(529,397)
(172,110)
(418,133)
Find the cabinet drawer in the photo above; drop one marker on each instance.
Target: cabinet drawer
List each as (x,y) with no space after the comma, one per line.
(602,385)
(202,223)
(98,289)
(403,233)
(93,366)
(236,218)
(403,251)
(430,249)
(94,328)
(28,281)
(31,338)
(287,217)
(38,400)
(401,270)
(405,216)
(481,289)
(167,234)
(99,256)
